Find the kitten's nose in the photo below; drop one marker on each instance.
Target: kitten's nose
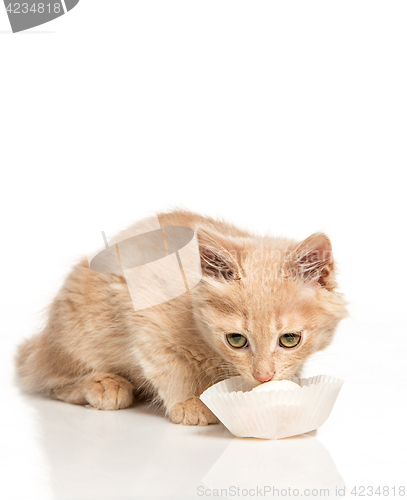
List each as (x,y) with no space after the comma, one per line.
(263,377)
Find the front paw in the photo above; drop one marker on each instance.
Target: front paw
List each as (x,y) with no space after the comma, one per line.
(192,412)
(107,391)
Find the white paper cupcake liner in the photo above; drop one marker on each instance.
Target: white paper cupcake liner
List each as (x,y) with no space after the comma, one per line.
(274,414)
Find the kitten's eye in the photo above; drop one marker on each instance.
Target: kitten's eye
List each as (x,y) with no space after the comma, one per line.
(236,340)
(290,339)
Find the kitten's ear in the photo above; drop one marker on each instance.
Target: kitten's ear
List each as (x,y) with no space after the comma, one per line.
(312,261)
(219,255)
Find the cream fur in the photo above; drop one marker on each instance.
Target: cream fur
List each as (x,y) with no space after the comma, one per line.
(96,349)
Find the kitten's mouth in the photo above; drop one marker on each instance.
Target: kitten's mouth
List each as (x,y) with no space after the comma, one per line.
(265,378)
(253,380)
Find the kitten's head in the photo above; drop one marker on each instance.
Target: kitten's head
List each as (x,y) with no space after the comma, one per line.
(266,304)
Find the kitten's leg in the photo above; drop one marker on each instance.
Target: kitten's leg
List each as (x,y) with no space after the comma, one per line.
(44,367)
(104,391)
(179,394)
(192,412)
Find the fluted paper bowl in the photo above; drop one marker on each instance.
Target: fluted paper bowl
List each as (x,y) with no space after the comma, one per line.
(272,414)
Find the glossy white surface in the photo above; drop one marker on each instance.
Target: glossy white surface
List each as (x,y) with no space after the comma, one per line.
(50,449)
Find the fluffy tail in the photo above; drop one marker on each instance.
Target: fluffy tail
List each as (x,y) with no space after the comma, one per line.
(42,366)
(28,365)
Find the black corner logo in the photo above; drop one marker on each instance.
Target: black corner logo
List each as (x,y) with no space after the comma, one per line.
(26,15)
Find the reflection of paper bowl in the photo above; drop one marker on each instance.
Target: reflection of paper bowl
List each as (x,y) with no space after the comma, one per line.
(298,462)
(274,414)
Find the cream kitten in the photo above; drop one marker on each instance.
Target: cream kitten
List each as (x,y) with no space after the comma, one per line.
(262,307)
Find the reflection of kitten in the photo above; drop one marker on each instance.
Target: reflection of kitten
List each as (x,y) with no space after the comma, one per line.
(262,307)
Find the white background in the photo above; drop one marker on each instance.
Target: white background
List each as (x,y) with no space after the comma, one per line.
(282,117)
